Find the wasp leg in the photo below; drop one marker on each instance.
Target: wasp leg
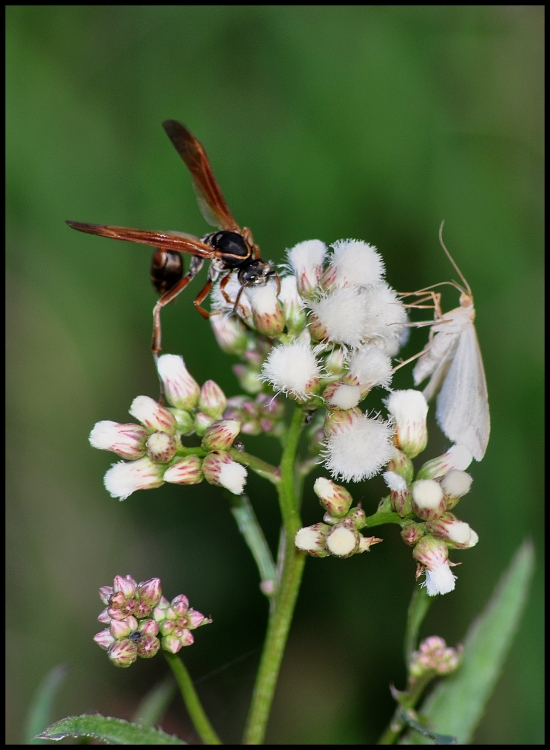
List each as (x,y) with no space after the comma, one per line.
(201,296)
(223,284)
(171,294)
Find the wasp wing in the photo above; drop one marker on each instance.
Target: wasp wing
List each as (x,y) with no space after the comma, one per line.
(462,405)
(209,196)
(176,242)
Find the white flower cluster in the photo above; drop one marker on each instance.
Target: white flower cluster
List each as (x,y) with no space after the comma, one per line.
(337,323)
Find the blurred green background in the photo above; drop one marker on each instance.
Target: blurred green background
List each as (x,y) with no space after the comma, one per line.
(323,122)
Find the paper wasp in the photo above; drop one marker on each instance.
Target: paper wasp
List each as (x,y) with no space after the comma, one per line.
(230,249)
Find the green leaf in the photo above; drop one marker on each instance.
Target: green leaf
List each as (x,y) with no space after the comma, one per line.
(456,705)
(40,712)
(111,731)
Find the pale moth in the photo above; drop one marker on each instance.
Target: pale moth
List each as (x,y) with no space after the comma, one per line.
(453,360)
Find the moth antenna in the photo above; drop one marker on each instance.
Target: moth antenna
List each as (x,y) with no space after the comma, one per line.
(450,257)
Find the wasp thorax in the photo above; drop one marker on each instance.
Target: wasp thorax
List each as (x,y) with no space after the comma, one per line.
(230,244)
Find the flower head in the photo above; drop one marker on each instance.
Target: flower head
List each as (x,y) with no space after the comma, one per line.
(409,410)
(306,260)
(353,263)
(181,389)
(293,368)
(433,556)
(359,448)
(124,478)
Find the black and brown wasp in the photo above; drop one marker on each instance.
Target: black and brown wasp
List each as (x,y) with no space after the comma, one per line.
(230,249)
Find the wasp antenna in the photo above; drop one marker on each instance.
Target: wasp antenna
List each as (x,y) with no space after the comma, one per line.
(450,257)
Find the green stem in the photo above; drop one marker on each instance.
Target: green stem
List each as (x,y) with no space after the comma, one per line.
(285,597)
(249,527)
(259,467)
(191,700)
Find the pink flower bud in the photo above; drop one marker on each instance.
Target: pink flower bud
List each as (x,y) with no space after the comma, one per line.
(127,440)
(180,605)
(457,534)
(230,332)
(212,400)
(219,468)
(125,585)
(104,639)
(150,591)
(202,422)
(185,471)
(401,464)
(123,653)
(400,495)
(411,533)
(161,447)
(221,435)
(181,389)
(155,417)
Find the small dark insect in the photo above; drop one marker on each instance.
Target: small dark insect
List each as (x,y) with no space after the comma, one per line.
(135,636)
(230,249)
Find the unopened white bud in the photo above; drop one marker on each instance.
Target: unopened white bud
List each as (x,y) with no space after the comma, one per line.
(306,260)
(427,499)
(181,389)
(343,540)
(409,409)
(312,539)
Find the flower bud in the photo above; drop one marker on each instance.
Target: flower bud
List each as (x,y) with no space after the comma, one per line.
(230,332)
(181,389)
(358,516)
(312,539)
(294,312)
(150,591)
(401,498)
(122,653)
(104,639)
(124,478)
(148,646)
(161,447)
(340,395)
(335,362)
(401,464)
(267,311)
(334,498)
(428,500)
(123,628)
(202,422)
(249,378)
(185,421)
(455,485)
(127,440)
(434,656)
(221,435)
(457,457)
(212,400)
(343,539)
(409,410)
(306,260)
(433,555)
(412,532)
(155,417)
(185,471)
(457,534)
(220,469)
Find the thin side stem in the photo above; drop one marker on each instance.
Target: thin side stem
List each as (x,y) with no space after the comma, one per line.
(259,467)
(191,700)
(249,527)
(285,597)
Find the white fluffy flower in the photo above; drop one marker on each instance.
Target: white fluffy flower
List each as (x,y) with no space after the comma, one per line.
(386,319)
(359,449)
(292,368)
(341,316)
(353,263)
(440,580)
(369,366)
(409,409)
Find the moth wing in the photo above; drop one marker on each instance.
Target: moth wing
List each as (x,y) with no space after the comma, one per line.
(435,360)
(462,405)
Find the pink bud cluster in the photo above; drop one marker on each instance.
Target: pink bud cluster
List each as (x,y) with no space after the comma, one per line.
(137,615)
